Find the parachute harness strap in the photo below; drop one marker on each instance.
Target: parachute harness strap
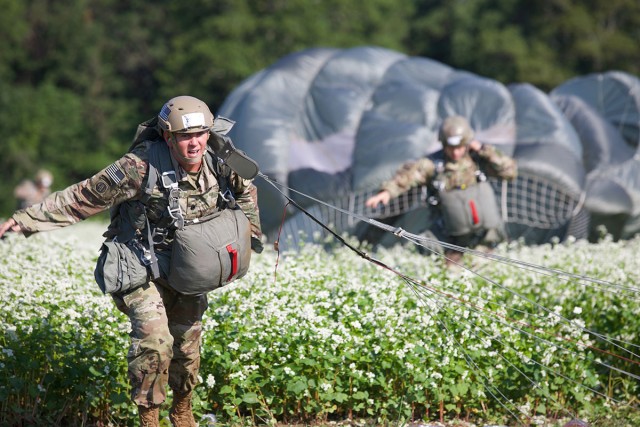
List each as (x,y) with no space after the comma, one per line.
(170,183)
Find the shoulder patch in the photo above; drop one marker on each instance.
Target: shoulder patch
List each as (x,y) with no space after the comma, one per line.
(115,174)
(102,186)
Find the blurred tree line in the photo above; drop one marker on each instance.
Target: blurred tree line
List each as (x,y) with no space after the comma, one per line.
(77,76)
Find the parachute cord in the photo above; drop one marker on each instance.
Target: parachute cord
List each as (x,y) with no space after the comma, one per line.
(398,231)
(361,253)
(420,287)
(276,244)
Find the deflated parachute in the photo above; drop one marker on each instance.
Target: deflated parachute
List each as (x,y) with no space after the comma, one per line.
(604,109)
(333,124)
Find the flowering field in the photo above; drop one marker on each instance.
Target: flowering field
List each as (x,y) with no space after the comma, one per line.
(316,336)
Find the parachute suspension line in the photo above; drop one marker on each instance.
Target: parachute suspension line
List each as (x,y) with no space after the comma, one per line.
(486,382)
(548,369)
(511,323)
(324,226)
(276,244)
(416,239)
(527,266)
(398,231)
(422,290)
(514,324)
(502,400)
(592,333)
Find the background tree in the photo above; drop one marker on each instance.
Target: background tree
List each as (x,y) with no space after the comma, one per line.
(76,77)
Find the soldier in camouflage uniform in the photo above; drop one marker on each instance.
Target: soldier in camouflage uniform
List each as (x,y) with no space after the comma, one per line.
(29,192)
(459,171)
(165,325)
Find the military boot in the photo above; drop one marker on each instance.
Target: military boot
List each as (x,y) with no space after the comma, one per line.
(149,417)
(181,414)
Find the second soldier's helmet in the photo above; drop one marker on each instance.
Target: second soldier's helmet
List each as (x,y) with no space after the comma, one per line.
(456,131)
(185,114)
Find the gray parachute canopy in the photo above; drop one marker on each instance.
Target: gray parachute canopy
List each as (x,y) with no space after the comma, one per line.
(330,125)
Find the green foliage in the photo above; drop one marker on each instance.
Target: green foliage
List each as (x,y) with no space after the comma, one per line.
(331,337)
(99,68)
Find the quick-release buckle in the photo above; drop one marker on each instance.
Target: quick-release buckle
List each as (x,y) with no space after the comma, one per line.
(176,214)
(227,196)
(174,210)
(169,180)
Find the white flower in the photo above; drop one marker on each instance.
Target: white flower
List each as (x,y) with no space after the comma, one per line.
(577,310)
(211,381)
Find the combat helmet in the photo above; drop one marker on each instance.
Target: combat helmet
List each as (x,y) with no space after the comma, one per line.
(185,114)
(456,131)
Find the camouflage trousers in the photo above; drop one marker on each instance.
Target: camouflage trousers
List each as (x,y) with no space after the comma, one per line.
(166,333)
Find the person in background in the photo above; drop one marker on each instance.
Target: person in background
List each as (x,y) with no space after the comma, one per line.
(166,321)
(465,199)
(29,192)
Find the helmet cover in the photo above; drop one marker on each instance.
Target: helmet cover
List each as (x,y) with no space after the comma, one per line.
(185,114)
(456,131)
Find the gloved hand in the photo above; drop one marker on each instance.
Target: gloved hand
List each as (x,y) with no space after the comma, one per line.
(256,244)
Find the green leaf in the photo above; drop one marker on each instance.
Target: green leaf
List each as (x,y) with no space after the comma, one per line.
(297,387)
(250,398)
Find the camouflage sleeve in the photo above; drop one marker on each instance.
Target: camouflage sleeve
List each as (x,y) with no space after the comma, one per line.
(114,184)
(247,198)
(410,175)
(498,164)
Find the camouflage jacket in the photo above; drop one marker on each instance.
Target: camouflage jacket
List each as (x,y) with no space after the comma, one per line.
(454,175)
(125,180)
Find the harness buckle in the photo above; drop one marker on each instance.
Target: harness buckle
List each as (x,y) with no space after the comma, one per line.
(169,180)
(176,214)
(159,235)
(227,196)
(145,254)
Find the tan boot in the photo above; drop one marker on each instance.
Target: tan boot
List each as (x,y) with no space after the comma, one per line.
(181,414)
(149,417)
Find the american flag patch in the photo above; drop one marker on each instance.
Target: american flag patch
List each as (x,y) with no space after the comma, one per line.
(164,113)
(115,174)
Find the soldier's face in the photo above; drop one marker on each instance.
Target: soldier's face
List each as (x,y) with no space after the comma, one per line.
(455,153)
(189,148)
